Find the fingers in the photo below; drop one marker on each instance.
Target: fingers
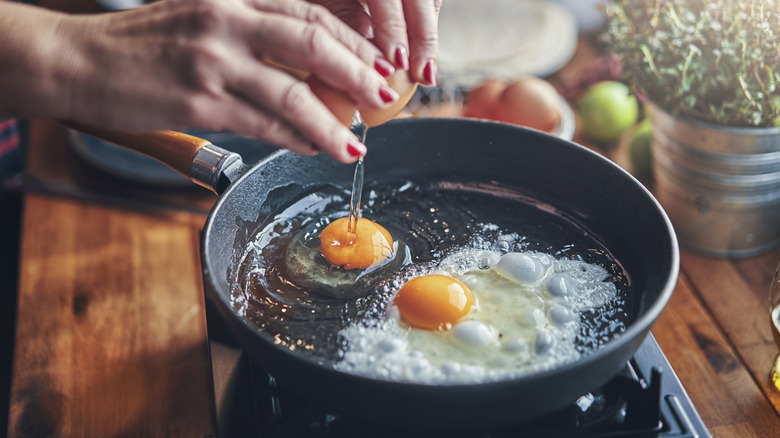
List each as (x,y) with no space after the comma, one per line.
(422,17)
(308,37)
(319,15)
(390,30)
(284,111)
(407,33)
(352,13)
(311,47)
(199,69)
(280,108)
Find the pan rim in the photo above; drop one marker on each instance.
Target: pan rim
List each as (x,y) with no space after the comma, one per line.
(636,331)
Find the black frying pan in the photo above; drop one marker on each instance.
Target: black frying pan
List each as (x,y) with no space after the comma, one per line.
(592,191)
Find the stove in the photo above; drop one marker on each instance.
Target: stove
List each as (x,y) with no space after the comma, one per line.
(646,399)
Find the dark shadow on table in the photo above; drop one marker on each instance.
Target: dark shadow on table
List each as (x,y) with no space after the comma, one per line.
(10,223)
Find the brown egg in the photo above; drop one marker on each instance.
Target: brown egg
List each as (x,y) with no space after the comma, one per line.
(531,102)
(405,86)
(482,100)
(404,114)
(341,105)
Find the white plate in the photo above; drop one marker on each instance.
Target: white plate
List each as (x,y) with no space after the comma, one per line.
(505,39)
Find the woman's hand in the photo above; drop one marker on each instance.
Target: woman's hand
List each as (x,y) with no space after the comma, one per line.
(405,30)
(179,64)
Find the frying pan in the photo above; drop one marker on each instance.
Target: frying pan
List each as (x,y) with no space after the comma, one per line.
(604,200)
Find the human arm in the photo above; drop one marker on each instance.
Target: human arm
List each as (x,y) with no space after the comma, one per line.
(179,64)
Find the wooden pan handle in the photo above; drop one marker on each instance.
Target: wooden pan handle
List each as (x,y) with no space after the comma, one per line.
(175,149)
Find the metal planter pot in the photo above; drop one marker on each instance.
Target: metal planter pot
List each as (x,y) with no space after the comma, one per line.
(719,185)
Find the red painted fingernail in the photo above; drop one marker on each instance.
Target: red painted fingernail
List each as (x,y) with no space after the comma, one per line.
(401,59)
(387,94)
(429,72)
(356,149)
(383,67)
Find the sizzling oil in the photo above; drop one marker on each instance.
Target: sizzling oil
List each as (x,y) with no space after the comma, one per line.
(288,290)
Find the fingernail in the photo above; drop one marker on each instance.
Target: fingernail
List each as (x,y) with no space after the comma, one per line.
(429,72)
(387,94)
(401,58)
(383,67)
(356,149)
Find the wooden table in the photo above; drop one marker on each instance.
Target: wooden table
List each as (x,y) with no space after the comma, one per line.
(111,335)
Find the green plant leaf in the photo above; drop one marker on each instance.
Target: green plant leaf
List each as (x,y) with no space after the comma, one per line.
(715,59)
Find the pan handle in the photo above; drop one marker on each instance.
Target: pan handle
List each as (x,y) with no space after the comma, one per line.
(215,168)
(196,158)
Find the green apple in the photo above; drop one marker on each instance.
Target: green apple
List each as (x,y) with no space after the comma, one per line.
(639,151)
(607,109)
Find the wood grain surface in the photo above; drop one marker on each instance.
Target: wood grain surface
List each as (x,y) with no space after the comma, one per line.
(114,335)
(111,326)
(729,394)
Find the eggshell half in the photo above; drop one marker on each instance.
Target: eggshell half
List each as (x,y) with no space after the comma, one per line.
(405,86)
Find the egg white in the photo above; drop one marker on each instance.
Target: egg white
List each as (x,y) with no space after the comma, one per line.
(526,318)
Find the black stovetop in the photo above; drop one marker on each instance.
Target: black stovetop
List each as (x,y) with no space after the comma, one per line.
(645,400)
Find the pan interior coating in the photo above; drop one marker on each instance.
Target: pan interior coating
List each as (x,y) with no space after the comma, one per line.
(305,305)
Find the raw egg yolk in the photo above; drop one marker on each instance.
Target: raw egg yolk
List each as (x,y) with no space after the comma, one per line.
(433,301)
(367,246)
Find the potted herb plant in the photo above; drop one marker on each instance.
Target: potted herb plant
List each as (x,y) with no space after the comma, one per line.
(713,60)
(711,70)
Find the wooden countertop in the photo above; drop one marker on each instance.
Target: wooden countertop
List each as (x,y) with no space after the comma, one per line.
(111,329)
(111,332)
